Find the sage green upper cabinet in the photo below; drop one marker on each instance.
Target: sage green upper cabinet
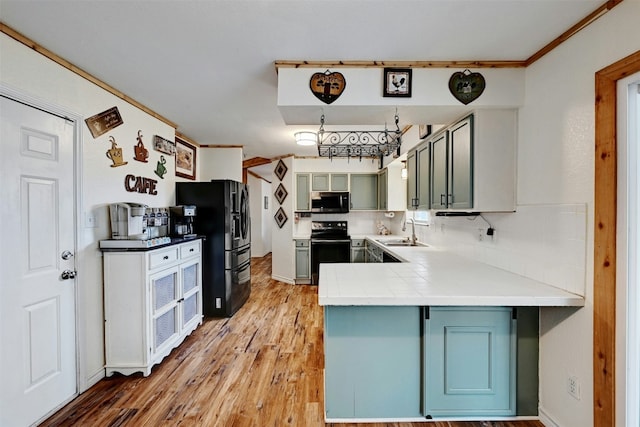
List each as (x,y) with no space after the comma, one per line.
(412,180)
(329,182)
(473,163)
(339,182)
(364,191)
(303,202)
(382,190)
(419,177)
(320,182)
(439,170)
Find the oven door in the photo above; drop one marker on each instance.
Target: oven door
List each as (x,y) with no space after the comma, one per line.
(328,251)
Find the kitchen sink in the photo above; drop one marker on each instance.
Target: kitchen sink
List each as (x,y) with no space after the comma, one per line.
(399,242)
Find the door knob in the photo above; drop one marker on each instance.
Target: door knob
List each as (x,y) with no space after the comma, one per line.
(68,274)
(66,255)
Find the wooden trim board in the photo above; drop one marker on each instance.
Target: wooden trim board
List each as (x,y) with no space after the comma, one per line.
(604,257)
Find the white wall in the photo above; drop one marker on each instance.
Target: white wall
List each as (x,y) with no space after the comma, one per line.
(219,163)
(260,224)
(282,249)
(550,237)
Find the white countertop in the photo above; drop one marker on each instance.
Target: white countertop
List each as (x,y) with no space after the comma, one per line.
(433,277)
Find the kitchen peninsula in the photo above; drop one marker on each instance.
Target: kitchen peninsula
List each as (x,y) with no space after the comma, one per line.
(438,335)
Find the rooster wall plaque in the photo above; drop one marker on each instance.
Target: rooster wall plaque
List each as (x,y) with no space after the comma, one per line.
(327,86)
(397,82)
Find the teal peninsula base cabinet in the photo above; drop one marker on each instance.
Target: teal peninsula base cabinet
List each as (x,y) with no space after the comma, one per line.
(414,363)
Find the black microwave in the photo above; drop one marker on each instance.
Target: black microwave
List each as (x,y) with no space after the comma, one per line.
(329,202)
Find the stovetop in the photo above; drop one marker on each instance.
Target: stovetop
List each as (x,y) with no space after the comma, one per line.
(329,229)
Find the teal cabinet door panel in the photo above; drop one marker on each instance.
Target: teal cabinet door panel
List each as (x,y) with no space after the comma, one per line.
(303,266)
(470,362)
(372,362)
(424,177)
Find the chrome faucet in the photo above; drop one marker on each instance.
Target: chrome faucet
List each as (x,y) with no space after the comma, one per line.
(414,239)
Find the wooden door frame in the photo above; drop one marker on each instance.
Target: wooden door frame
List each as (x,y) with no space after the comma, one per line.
(604,259)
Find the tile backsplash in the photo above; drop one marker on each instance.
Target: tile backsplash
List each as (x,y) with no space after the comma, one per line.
(543,242)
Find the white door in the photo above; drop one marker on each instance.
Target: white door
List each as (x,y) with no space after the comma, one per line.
(37,305)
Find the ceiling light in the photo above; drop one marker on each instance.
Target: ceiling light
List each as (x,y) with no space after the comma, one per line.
(306,138)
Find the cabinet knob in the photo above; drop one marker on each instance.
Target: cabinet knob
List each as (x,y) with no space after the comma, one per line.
(165,257)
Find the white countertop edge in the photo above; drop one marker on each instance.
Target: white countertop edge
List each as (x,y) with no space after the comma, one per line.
(453,301)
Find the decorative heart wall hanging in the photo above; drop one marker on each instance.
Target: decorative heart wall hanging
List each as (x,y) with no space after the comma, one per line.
(466,86)
(327,86)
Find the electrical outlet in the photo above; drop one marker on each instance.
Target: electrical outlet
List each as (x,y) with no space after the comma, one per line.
(573,387)
(218,302)
(481,234)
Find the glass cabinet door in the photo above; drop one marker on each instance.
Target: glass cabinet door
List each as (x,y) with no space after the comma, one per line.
(191,292)
(164,291)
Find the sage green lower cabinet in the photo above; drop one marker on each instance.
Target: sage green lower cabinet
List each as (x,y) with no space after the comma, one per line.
(372,362)
(358,250)
(469,362)
(303,265)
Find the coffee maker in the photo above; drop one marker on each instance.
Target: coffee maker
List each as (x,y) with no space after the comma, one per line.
(127,221)
(182,220)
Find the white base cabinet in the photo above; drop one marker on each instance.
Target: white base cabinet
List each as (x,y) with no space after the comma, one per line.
(153,301)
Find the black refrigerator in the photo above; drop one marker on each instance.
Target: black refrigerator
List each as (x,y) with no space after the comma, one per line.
(222,216)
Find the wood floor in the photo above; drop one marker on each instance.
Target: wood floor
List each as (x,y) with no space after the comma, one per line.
(261,368)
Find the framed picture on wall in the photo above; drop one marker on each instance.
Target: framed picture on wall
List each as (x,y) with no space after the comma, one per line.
(185,159)
(397,82)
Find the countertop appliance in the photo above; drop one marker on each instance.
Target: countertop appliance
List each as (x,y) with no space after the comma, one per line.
(329,202)
(223,218)
(126,221)
(181,220)
(330,242)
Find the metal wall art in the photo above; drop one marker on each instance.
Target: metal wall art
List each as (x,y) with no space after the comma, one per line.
(466,86)
(280,217)
(327,86)
(397,82)
(115,154)
(161,169)
(280,170)
(141,153)
(281,193)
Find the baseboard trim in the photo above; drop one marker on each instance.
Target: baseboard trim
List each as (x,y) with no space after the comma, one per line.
(283,279)
(546,419)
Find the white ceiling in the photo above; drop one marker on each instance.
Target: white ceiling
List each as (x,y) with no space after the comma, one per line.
(208,66)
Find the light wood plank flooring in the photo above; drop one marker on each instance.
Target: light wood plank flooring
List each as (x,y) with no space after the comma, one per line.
(262,367)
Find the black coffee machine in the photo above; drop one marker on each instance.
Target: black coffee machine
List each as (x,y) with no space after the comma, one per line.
(182,220)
